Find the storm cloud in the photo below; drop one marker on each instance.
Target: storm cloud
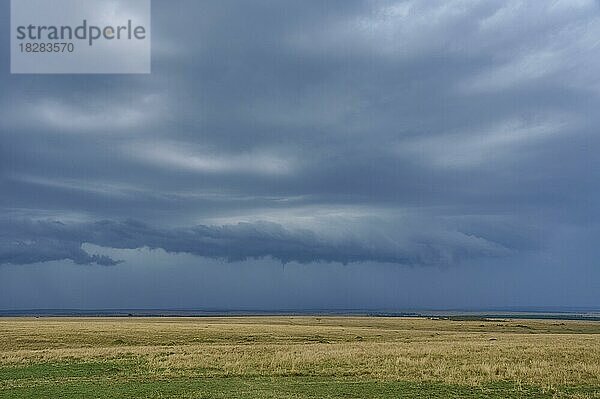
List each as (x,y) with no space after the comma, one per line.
(28,242)
(422,133)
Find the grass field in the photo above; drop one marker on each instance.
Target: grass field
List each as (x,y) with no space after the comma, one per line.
(298,357)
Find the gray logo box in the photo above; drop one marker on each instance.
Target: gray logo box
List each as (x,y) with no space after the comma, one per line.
(80,36)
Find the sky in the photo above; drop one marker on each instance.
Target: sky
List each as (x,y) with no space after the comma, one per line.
(297,155)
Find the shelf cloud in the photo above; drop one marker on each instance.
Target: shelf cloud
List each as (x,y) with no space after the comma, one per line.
(27,242)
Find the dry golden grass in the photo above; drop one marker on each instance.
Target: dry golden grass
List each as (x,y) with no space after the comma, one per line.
(533,352)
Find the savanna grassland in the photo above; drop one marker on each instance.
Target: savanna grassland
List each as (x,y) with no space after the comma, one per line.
(298,357)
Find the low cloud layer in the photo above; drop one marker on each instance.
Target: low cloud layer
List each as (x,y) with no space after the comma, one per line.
(27,242)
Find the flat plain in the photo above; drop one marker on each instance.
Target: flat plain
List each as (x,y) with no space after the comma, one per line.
(298,357)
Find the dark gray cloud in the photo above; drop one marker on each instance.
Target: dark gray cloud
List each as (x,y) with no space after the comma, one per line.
(27,242)
(401,131)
